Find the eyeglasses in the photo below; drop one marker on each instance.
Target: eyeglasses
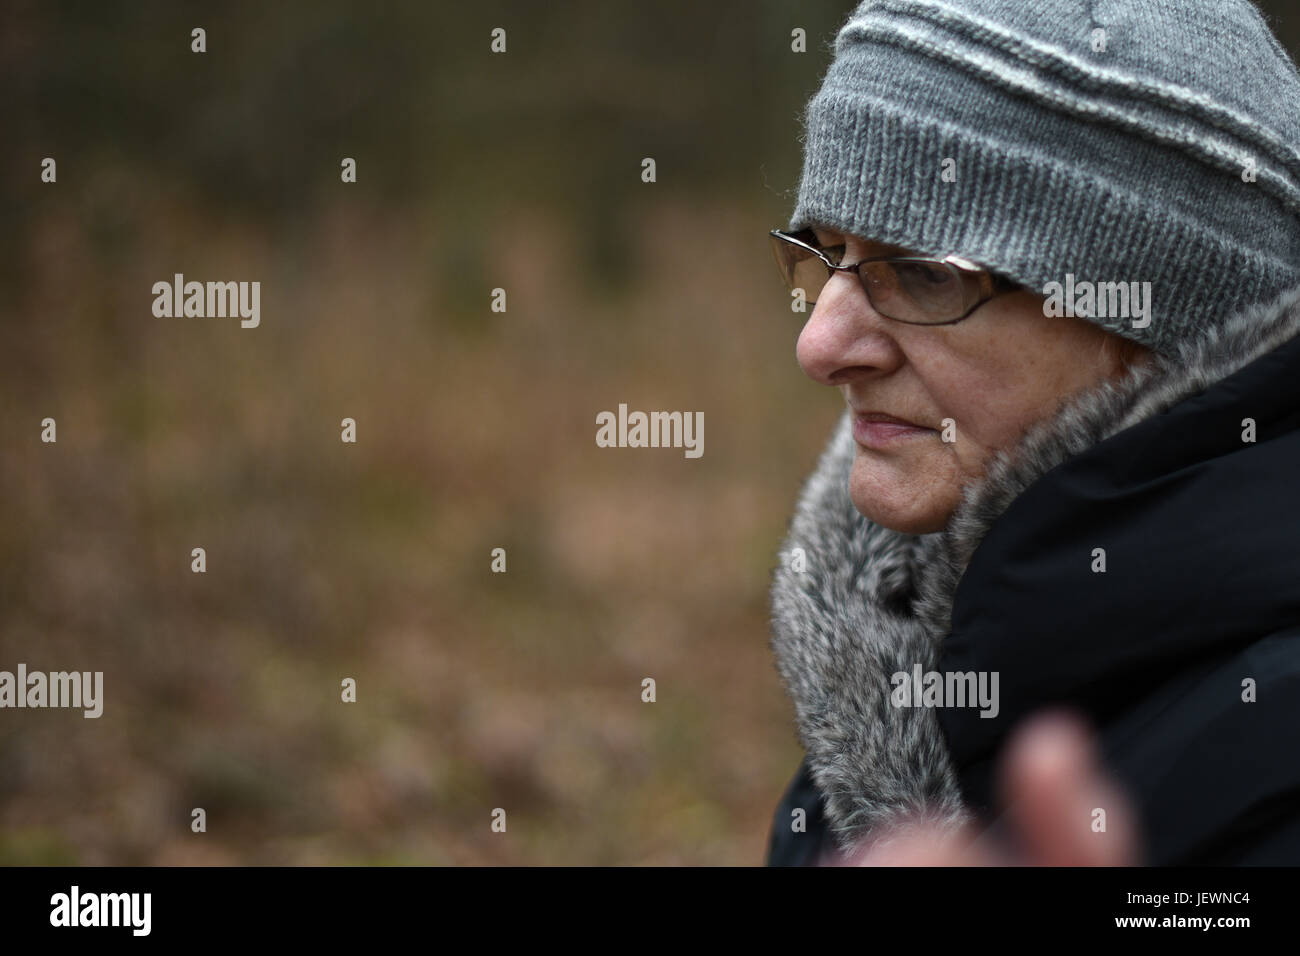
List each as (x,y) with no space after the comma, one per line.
(909,289)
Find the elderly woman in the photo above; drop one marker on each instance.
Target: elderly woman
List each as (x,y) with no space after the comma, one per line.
(1053,258)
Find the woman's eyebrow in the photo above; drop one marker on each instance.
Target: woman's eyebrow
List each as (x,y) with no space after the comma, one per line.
(828,236)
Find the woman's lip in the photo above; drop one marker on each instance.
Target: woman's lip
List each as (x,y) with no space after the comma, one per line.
(875,429)
(882,417)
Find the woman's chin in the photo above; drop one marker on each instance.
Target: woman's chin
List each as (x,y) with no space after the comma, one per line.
(897,500)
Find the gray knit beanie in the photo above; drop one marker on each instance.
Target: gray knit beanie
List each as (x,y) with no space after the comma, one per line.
(1114,141)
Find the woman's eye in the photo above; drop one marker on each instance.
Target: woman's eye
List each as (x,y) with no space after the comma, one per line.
(927,275)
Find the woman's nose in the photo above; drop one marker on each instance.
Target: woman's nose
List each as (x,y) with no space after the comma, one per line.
(845,336)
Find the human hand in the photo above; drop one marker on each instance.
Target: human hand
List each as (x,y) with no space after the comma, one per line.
(1051,786)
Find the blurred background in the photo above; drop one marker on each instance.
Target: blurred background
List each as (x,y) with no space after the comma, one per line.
(475,429)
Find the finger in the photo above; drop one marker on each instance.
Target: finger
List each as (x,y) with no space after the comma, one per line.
(1064,807)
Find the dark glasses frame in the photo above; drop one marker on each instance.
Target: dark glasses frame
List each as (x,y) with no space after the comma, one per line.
(985,285)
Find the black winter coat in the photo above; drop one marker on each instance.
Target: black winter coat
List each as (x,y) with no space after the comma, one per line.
(1183,653)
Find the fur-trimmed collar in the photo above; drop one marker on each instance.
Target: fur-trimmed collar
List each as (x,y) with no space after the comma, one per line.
(871,602)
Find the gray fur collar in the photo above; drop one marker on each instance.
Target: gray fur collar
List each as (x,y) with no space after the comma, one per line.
(872,602)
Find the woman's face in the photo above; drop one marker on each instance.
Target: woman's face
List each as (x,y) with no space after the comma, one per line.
(992,374)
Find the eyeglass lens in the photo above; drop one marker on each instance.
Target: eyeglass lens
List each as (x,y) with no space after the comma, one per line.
(909,291)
